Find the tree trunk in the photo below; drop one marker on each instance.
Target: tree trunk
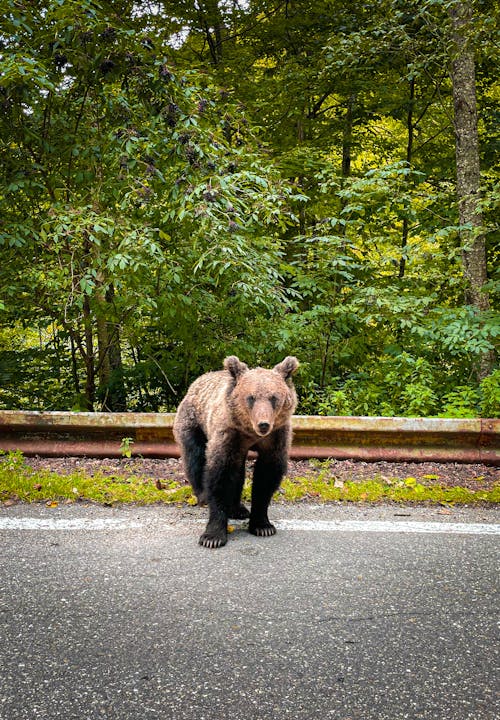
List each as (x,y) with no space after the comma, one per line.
(214,28)
(347,137)
(111,386)
(467,162)
(104,368)
(88,356)
(347,149)
(409,152)
(74,367)
(118,390)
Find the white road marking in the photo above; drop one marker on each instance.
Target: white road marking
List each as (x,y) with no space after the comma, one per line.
(380,526)
(391,526)
(67,524)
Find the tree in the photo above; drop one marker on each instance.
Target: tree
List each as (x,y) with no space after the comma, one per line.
(182,181)
(468,163)
(133,189)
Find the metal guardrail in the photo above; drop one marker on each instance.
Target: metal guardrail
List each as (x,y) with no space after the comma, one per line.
(359,438)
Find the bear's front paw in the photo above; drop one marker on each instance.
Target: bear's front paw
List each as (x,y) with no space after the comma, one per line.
(262,529)
(239,512)
(202,499)
(213,539)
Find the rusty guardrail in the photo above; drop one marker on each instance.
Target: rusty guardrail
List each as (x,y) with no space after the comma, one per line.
(360,438)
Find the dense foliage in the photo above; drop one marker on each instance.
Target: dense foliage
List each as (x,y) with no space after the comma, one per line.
(182,181)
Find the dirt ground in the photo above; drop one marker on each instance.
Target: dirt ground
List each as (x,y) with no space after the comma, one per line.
(471,476)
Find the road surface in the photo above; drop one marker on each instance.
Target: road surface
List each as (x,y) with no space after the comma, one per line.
(347,613)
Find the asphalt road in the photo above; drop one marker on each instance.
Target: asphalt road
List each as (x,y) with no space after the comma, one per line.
(118,614)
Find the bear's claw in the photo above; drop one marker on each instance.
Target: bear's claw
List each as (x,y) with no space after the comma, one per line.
(263,531)
(212,541)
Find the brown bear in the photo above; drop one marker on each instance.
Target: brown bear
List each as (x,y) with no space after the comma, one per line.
(223,415)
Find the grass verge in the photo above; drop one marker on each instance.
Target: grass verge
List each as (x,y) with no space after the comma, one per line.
(20,483)
(372,491)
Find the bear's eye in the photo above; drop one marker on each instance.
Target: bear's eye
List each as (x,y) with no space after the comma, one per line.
(274,401)
(251,401)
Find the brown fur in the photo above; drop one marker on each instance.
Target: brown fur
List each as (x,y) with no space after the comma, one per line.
(223,415)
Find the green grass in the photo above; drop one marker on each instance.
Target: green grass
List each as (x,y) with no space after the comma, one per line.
(19,482)
(370,491)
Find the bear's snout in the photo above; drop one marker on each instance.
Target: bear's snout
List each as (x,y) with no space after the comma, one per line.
(264,428)
(262,417)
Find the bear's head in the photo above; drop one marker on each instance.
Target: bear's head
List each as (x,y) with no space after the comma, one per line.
(261,400)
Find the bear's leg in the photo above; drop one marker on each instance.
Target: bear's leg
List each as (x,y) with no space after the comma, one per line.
(193,442)
(267,477)
(269,469)
(221,479)
(238,511)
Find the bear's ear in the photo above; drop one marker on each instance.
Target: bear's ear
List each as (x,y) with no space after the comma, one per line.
(287,367)
(235,366)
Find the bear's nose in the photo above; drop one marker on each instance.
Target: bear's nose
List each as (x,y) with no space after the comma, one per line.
(264,427)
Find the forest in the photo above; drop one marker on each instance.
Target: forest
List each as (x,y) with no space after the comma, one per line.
(181,181)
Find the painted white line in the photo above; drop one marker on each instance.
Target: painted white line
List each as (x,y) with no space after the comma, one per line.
(390,526)
(365,526)
(67,524)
